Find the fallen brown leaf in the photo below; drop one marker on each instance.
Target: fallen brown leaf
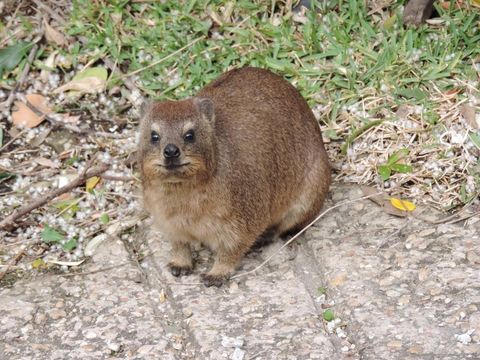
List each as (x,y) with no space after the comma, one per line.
(468,112)
(39,102)
(46,162)
(338,280)
(382,200)
(53,35)
(87,85)
(26,117)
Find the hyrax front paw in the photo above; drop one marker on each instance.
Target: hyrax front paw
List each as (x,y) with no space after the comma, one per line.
(213,280)
(177,270)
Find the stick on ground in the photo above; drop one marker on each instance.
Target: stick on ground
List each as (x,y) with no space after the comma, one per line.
(86,174)
(26,69)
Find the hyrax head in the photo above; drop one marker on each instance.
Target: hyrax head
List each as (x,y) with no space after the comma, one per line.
(177,140)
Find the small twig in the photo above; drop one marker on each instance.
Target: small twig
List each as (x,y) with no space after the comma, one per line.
(164,58)
(302,231)
(107,134)
(118,178)
(466,217)
(84,175)
(13,139)
(356,133)
(52,13)
(12,263)
(96,271)
(397,231)
(70,127)
(25,71)
(448,219)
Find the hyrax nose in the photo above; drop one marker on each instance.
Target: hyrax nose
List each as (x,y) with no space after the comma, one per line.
(171,151)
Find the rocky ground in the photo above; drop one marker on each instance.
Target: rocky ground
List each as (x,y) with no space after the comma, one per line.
(399,288)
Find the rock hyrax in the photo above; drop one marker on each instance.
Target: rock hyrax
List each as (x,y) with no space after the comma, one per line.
(243,157)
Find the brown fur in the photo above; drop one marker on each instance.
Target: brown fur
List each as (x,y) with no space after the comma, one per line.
(258,163)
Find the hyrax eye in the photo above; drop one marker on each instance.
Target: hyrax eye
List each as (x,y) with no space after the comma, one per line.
(154,137)
(189,136)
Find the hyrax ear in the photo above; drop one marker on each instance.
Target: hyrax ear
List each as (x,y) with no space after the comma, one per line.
(205,107)
(145,108)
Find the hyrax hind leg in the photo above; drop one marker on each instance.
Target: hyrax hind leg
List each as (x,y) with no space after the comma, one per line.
(310,201)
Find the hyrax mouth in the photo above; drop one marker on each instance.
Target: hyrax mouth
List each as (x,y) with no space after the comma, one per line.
(174,166)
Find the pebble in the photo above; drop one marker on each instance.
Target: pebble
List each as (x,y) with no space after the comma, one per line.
(465,338)
(238,354)
(114,347)
(57,314)
(230,342)
(187,312)
(90,334)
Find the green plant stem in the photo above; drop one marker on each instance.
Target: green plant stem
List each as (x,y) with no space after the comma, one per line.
(356,133)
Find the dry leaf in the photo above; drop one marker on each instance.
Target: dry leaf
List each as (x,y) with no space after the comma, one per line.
(53,35)
(403,205)
(452,92)
(215,17)
(422,274)
(93,244)
(92,182)
(338,280)
(382,200)
(87,85)
(66,263)
(38,264)
(26,117)
(468,113)
(300,17)
(90,80)
(227,11)
(49,63)
(116,17)
(46,162)
(39,102)
(403,111)
(66,196)
(162,297)
(435,21)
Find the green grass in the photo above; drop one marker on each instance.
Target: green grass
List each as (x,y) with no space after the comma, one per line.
(356,68)
(335,59)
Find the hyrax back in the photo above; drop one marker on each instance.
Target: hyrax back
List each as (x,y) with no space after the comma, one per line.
(244,156)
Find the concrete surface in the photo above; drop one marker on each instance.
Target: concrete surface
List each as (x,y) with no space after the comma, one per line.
(399,289)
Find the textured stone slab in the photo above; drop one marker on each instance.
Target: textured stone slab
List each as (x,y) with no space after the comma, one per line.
(403,295)
(399,289)
(110,314)
(270,315)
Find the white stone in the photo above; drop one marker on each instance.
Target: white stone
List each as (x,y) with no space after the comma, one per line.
(238,354)
(465,338)
(230,342)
